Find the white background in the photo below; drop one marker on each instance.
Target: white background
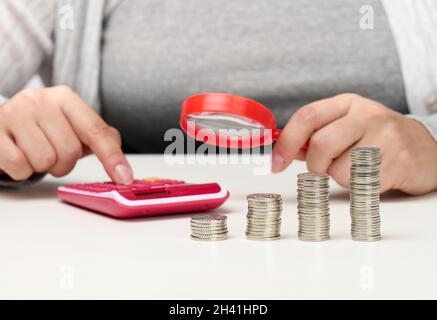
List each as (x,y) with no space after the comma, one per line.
(52,250)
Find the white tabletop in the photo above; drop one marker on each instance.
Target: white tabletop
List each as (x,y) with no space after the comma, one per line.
(53,250)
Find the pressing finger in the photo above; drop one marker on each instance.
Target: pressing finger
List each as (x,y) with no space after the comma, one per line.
(102,139)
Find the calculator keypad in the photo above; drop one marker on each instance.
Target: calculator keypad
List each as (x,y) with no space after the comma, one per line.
(136,185)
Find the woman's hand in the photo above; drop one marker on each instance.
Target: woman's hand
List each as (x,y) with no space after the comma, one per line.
(50,129)
(334,126)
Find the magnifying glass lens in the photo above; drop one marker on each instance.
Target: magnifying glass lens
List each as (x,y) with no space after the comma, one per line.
(228,124)
(234,121)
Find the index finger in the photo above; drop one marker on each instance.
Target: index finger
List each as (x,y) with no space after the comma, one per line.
(102,139)
(303,124)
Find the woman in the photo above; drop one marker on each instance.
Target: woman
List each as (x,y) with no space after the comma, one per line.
(124,66)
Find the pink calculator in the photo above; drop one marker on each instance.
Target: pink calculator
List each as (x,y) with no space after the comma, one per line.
(146,197)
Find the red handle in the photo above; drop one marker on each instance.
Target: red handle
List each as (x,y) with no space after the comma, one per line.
(277,132)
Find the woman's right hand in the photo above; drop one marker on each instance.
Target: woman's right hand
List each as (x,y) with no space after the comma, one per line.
(50,129)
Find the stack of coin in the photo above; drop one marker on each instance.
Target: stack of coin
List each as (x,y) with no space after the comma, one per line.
(209,228)
(364,194)
(313,206)
(264,216)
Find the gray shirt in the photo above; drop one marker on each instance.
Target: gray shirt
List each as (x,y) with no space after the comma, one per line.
(62,41)
(281,53)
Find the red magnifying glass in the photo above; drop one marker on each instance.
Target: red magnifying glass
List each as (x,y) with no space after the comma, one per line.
(228,121)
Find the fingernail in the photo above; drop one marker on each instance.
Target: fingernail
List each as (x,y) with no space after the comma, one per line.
(124,174)
(277,163)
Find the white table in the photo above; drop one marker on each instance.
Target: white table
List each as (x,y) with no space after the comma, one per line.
(52,250)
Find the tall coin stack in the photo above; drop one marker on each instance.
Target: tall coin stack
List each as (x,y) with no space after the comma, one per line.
(209,228)
(313,206)
(364,194)
(264,216)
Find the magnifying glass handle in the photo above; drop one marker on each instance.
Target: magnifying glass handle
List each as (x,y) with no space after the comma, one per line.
(277,132)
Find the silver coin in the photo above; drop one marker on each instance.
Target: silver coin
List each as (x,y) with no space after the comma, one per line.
(263,229)
(265,212)
(209,238)
(206,224)
(367,238)
(263,197)
(209,231)
(209,228)
(194,227)
(264,224)
(321,224)
(305,239)
(209,218)
(313,206)
(263,216)
(251,237)
(365,194)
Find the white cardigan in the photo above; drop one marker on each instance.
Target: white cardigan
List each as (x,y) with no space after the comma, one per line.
(35,37)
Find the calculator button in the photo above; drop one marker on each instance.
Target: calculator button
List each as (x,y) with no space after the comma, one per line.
(122,187)
(90,188)
(152,179)
(144,184)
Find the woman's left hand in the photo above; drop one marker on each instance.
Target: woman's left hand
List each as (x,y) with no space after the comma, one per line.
(334,126)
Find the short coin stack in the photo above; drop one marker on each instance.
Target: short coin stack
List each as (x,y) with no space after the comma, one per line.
(364,194)
(264,216)
(313,206)
(209,228)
